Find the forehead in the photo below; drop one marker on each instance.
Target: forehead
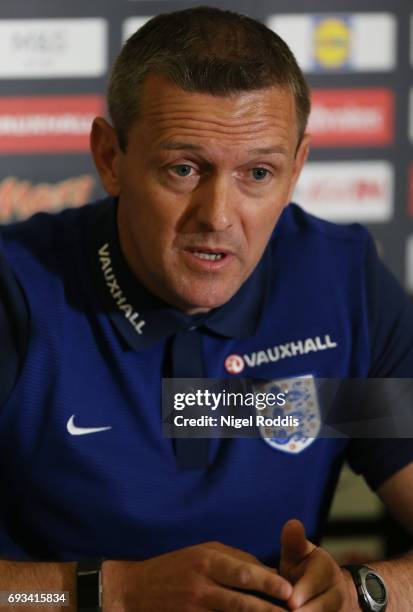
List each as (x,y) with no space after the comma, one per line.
(167,112)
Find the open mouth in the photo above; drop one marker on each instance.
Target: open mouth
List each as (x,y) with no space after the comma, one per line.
(208,256)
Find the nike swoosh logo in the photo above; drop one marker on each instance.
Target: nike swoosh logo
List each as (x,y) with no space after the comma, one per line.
(81,431)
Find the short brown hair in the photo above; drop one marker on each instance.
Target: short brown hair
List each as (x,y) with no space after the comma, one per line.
(203,49)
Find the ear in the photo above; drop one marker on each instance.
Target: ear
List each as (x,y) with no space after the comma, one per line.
(106,154)
(299,161)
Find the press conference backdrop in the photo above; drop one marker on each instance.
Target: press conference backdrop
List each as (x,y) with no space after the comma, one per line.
(357,56)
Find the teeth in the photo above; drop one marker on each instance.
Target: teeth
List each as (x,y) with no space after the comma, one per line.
(209,256)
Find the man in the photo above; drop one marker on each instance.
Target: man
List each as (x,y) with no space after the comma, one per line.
(179,273)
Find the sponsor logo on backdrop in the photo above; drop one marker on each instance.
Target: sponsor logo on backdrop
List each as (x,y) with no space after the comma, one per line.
(331,41)
(47,48)
(352,117)
(132,24)
(20,199)
(409,264)
(52,123)
(339,42)
(347,191)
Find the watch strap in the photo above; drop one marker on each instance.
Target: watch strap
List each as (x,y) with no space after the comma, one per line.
(89,585)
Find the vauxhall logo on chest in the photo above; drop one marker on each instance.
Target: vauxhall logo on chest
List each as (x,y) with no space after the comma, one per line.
(234,364)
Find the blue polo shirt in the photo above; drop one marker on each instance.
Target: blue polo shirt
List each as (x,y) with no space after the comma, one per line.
(87,347)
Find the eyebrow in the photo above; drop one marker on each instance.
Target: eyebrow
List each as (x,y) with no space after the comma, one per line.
(175,145)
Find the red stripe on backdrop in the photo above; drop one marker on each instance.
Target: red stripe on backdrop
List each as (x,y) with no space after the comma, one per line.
(32,124)
(352,117)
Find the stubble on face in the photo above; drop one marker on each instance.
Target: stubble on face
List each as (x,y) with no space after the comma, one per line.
(168,223)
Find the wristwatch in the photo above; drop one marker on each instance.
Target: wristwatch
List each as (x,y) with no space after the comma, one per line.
(89,585)
(370,586)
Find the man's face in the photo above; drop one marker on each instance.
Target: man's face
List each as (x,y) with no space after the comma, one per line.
(201,186)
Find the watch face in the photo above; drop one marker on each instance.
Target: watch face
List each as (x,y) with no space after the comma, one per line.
(375,588)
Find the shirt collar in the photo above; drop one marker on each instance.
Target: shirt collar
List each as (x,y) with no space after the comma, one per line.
(141,318)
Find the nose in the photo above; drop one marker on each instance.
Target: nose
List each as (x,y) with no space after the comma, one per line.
(214,203)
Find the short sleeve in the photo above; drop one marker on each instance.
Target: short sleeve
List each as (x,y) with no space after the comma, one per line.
(390,325)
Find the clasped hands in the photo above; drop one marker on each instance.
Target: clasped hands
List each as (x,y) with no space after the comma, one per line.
(215,577)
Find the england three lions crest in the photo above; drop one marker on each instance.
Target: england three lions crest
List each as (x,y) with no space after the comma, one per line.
(293,423)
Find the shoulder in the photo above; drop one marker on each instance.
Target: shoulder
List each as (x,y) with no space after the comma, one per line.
(46,232)
(295,221)
(304,240)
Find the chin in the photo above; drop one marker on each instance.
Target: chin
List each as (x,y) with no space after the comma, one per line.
(194,295)
(195,304)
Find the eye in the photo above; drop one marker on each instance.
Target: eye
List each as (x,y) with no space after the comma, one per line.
(259,174)
(182,170)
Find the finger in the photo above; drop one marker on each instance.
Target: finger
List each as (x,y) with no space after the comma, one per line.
(294,545)
(225,600)
(249,576)
(319,576)
(237,553)
(328,601)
